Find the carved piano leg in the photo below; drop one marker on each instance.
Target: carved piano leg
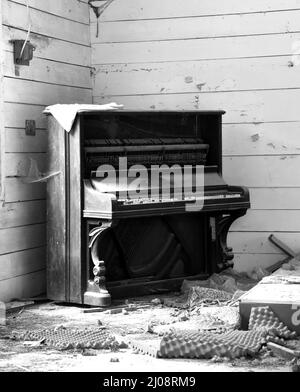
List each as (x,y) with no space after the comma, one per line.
(97,293)
(224,254)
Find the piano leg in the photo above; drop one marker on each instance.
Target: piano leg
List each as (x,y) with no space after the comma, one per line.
(223,254)
(97,294)
(224,226)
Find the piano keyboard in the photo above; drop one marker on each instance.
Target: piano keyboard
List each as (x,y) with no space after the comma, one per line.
(173,200)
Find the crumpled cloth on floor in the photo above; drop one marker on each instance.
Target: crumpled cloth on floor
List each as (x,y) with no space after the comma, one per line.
(228,280)
(216,319)
(66,114)
(197,296)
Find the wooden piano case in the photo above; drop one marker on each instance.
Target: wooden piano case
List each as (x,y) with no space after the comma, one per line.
(75,270)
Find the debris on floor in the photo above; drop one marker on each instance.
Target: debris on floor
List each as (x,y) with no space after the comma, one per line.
(264,327)
(128,307)
(218,319)
(206,335)
(18,305)
(283,247)
(223,288)
(295,366)
(280,292)
(201,322)
(283,351)
(229,280)
(156,301)
(197,296)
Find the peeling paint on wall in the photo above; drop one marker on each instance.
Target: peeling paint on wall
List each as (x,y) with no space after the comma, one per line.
(188,79)
(255,137)
(200,85)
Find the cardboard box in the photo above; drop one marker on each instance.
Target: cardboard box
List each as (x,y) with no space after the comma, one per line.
(282,298)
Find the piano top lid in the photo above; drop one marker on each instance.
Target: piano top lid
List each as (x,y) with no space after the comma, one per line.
(65,114)
(140,111)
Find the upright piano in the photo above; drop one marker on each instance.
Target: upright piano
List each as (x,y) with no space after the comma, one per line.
(139,204)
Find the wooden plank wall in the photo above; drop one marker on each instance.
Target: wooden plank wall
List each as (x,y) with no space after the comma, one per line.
(59,73)
(240,56)
(1,105)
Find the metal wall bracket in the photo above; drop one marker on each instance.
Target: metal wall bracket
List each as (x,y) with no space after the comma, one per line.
(30,127)
(22,56)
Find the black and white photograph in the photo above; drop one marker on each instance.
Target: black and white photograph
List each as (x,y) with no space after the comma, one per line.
(149,189)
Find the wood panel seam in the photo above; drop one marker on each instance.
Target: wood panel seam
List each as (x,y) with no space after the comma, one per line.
(45,35)
(50,83)
(198,16)
(49,13)
(43,222)
(27,273)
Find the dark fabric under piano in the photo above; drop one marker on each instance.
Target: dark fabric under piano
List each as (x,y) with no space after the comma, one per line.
(102,244)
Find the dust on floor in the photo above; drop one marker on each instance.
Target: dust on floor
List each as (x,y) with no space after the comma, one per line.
(18,356)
